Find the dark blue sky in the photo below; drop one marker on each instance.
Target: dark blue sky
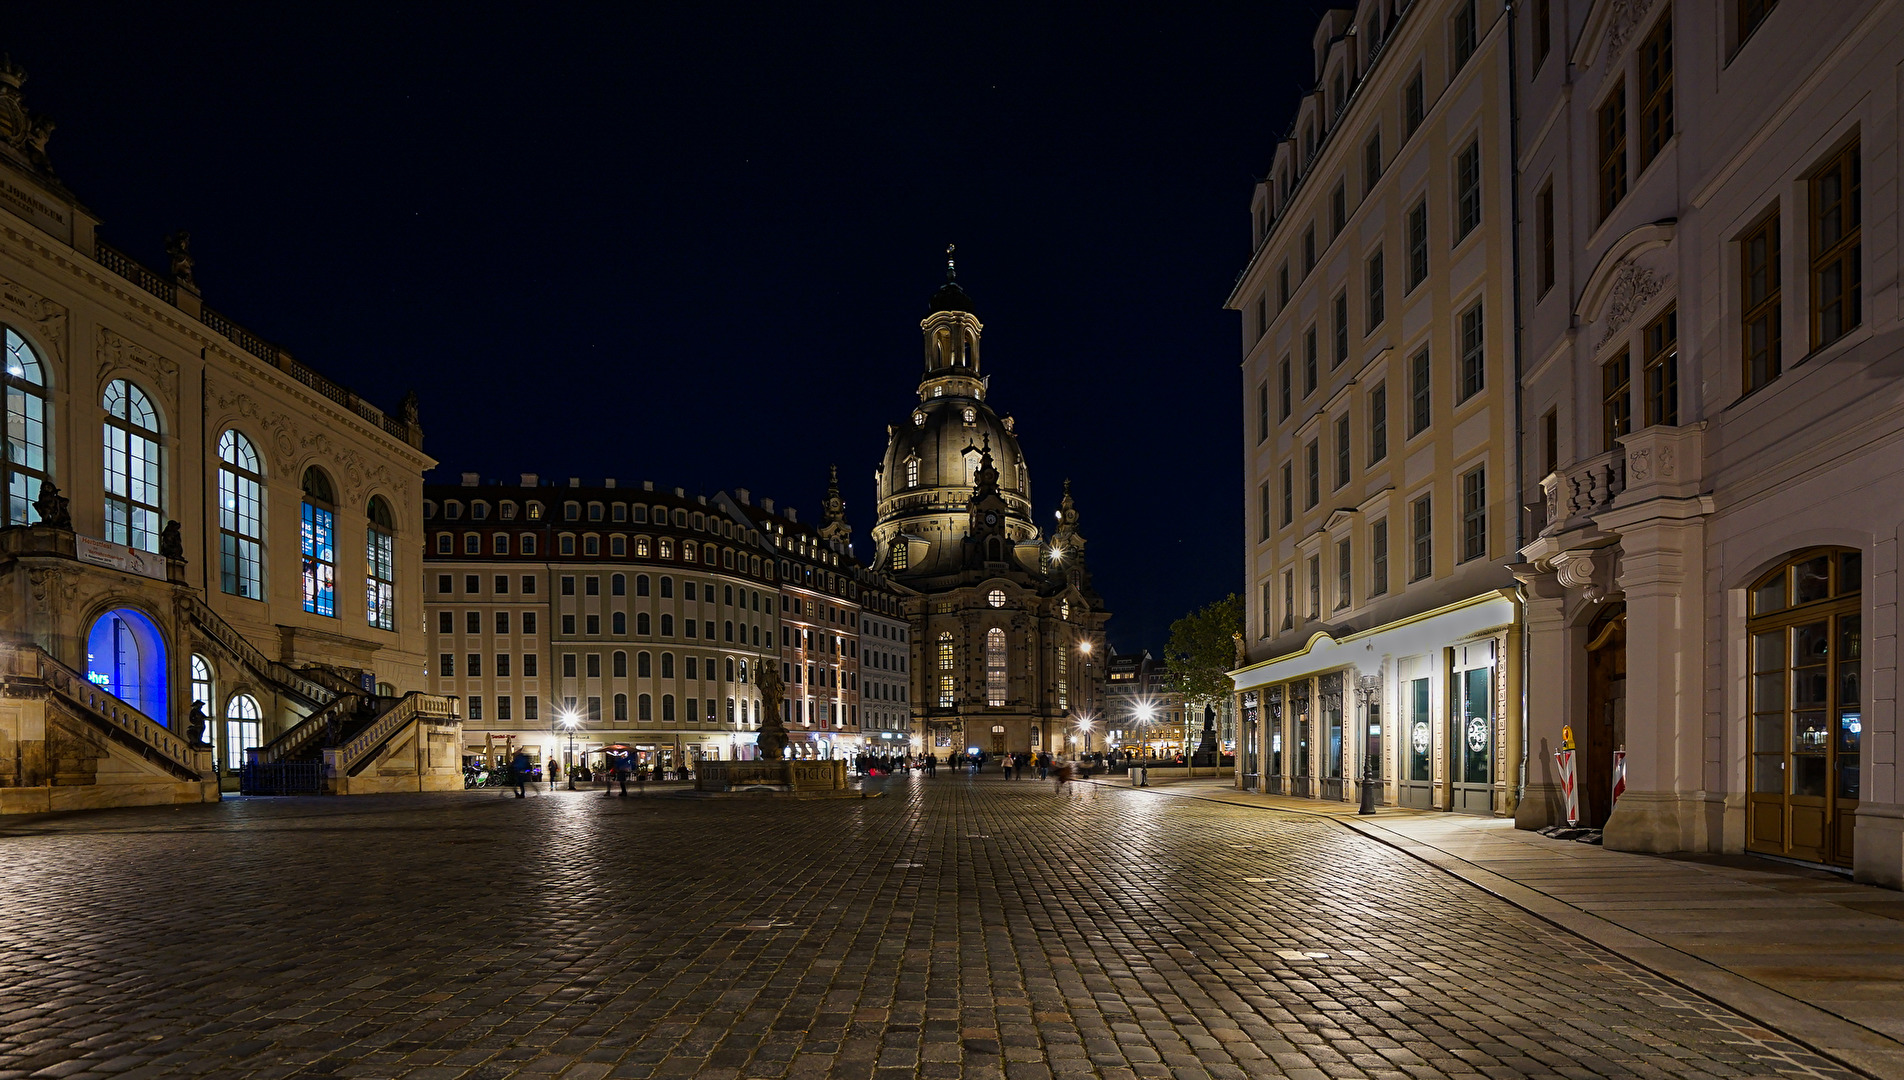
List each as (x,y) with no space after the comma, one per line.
(692,243)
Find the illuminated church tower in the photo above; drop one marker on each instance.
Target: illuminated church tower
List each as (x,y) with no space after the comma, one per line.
(1007,631)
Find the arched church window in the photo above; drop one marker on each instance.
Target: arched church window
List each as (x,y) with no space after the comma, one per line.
(318,541)
(202,681)
(242,728)
(25,462)
(901,555)
(945,670)
(240,520)
(995,662)
(380,565)
(912,472)
(132,467)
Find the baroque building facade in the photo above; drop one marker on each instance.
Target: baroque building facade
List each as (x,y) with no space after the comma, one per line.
(234,557)
(1003,617)
(1382,636)
(1711,293)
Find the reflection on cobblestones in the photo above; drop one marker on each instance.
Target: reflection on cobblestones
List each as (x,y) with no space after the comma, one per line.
(957,928)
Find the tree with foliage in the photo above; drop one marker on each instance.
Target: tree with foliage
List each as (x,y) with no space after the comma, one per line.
(1202,650)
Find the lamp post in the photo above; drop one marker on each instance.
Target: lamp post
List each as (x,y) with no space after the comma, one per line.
(570,721)
(1369,689)
(1146,715)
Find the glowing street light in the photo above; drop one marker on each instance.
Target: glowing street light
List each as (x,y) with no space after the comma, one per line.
(570,720)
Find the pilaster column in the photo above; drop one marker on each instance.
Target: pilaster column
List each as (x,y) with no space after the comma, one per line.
(1548,680)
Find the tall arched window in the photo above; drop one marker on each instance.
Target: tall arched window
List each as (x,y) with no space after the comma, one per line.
(240,517)
(667,708)
(26,430)
(995,666)
(242,720)
(645,705)
(132,467)
(1806,726)
(380,571)
(946,693)
(621,707)
(202,682)
(319,542)
(912,472)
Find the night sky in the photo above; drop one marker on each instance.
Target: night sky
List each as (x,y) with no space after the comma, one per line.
(692,243)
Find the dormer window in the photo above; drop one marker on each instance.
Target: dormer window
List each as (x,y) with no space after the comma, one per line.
(507,511)
(938,391)
(571,511)
(594,511)
(971,416)
(918,419)
(535,511)
(479,511)
(453,510)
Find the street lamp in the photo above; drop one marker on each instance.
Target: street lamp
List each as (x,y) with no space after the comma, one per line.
(1369,688)
(1146,715)
(570,721)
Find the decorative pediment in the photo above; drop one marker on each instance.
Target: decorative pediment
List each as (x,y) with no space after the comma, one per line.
(1610,25)
(1623,283)
(119,356)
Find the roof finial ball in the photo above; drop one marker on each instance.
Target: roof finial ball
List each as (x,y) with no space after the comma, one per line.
(951,268)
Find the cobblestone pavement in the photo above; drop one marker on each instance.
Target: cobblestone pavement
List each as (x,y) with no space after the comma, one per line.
(957,928)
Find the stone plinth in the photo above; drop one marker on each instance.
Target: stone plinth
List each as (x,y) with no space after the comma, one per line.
(793,776)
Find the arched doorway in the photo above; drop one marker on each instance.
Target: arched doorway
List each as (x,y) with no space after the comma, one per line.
(1804,702)
(1605,727)
(125,656)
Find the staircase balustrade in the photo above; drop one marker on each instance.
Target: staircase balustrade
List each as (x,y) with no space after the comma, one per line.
(128,724)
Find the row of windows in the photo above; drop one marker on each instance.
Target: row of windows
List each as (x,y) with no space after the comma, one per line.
(591,626)
(749,712)
(507,510)
(692,666)
(1420,556)
(619,546)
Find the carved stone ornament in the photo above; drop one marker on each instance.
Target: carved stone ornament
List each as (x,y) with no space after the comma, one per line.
(1634,287)
(1622,19)
(117,356)
(19,128)
(53,588)
(1579,570)
(289,444)
(1639,464)
(47,317)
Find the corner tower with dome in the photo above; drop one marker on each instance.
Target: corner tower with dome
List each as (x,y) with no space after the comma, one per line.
(1008,634)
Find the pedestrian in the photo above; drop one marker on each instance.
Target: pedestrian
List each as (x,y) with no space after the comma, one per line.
(519,767)
(1062,770)
(1005,766)
(554,773)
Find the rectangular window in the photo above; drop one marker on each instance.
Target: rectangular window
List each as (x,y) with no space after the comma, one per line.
(1378,558)
(320,561)
(1378,422)
(1377,309)
(1758,258)
(1661,344)
(503,711)
(1315,586)
(1371,162)
(1751,14)
(1312,466)
(446,665)
(1473,352)
(1309,371)
(1467,188)
(1612,147)
(1262,412)
(1417,245)
(530,661)
(568,586)
(1289,493)
(1342,574)
(1419,401)
(568,626)
(475,707)
(1424,560)
(502,665)
(1308,251)
(1544,240)
(1338,209)
(1268,608)
(1283,388)
(1414,103)
(1262,315)
(1465,33)
(530,707)
(1282,287)
(472,622)
(475,666)
(568,665)
(1289,599)
(594,667)
(1616,400)
(1474,514)
(1836,231)
(1262,506)
(1656,89)
(1549,442)
(1543,31)
(528,622)
(1341,331)
(1342,451)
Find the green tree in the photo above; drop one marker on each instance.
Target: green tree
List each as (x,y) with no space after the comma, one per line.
(1202,649)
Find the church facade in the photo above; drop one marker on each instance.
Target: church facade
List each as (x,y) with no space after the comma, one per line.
(1005,623)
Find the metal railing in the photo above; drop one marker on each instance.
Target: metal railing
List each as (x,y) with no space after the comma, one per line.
(303,734)
(136,272)
(128,724)
(282,778)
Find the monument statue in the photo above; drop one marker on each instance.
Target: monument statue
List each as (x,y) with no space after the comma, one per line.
(179,247)
(171,543)
(195,725)
(772,741)
(1242,651)
(52,507)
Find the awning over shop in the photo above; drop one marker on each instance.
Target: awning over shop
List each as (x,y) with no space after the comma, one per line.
(1413,636)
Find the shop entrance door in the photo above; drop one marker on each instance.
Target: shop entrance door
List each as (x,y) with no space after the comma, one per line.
(1471,742)
(1605,729)
(1330,686)
(1301,784)
(1418,746)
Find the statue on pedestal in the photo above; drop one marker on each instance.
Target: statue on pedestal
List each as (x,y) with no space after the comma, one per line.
(195,723)
(52,507)
(171,541)
(772,741)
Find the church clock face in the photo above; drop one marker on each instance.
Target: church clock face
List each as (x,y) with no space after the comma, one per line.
(991,517)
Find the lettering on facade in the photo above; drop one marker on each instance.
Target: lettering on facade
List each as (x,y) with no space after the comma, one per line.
(35,208)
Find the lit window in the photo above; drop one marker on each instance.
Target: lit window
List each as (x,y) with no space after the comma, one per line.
(380,574)
(202,681)
(242,728)
(995,664)
(318,543)
(25,463)
(996,598)
(912,472)
(132,466)
(240,523)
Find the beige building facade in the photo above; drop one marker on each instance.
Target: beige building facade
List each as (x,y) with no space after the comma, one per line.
(1710,271)
(1378,377)
(232,530)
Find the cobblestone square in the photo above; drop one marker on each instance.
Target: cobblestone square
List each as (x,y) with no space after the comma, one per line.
(957,927)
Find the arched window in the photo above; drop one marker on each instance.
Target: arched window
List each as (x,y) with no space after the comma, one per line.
(25,462)
(242,728)
(380,573)
(687,551)
(132,467)
(1806,706)
(946,684)
(319,543)
(618,623)
(642,624)
(641,584)
(202,691)
(644,665)
(618,585)
(620,665)
(667,665)
(240,517)
(667,548)
(641,547)
(667,588)
(912,472)
(645,704)
(667,708)
(995,666)
(621,707)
